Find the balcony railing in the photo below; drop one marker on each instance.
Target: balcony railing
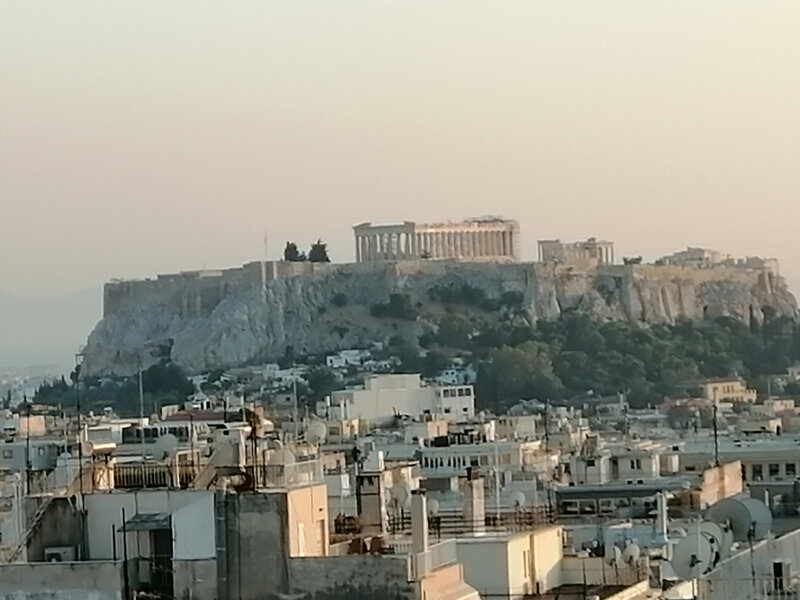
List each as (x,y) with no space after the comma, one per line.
(422,564)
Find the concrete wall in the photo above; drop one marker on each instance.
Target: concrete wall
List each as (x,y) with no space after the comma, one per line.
(356,577)
(718,483)
(104,515)
(595,570)
(252,545)
(308,521)
(193,530)
(61,525)
(195,579)
(485,564)
(62,581)
(548,552)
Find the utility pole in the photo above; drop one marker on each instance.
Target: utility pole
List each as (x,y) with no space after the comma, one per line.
(716,438)
(264,272)
(496,482)
(141,403)
(78,361)
(294,408)
(28,445)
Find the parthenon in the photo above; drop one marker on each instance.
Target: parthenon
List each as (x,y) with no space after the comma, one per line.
(486,238)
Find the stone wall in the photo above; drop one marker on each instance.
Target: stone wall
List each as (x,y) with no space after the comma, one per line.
(356,577)
(252,545)
(97,580)
(227,318)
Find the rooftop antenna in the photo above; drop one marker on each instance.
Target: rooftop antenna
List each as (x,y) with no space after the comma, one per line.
(141,402)
(264,271)
(716,438)
(27,443)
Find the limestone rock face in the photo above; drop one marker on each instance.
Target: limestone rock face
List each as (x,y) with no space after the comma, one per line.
(232,317)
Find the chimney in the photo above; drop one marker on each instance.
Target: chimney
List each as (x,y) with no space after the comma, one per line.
(474,503)
(419,521)
(372,502)
(662,518)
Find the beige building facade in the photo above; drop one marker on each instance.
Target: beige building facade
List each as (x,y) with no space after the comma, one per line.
(486,238)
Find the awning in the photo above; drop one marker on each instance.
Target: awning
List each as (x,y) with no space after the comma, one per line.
(148,522)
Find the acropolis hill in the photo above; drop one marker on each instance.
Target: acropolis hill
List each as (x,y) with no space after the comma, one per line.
(213,319)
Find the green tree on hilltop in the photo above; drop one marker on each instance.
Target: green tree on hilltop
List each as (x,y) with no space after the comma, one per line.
(292,254)
(319,252)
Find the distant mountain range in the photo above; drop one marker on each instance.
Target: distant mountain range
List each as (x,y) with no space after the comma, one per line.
(46,331)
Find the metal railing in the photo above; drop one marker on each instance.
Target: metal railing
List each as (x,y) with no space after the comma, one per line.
(290,475)
(453,522)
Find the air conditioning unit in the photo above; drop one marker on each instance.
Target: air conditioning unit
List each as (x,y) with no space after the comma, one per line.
(60,554)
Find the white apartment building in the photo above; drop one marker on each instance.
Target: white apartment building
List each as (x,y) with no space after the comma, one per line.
(384,396)
(763,459)
(347,358)
(513,456)
(629,463)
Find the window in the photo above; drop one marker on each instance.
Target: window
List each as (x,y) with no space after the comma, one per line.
(757,472)
(774,470)
(469,391)
(447,410)
(8,453)
(636,464)
(791,469)
(41,450)
(590,462)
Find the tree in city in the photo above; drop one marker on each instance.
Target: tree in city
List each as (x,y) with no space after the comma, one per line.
(318,252)
(522,372)
(321,382)
(292,254)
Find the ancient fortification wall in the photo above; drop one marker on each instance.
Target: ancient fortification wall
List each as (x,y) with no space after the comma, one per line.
(224,318)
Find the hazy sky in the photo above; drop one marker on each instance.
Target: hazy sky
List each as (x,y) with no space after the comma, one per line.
(146,137)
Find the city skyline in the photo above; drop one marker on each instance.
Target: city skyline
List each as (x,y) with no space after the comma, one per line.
(160,139)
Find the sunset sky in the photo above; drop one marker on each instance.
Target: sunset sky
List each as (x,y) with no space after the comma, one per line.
(146,137)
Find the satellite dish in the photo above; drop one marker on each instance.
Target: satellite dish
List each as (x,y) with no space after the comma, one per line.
(165,447)
(722,539)
(748,519)
(518,498)
(676,535)
(613,554)
(317,432)
(433,506)
(282,456)
(631,553)
(401,493)
(692,556)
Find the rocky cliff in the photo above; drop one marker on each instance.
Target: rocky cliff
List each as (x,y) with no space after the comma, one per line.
(208,320)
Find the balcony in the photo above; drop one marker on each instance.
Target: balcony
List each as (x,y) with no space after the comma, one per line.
(422,564)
